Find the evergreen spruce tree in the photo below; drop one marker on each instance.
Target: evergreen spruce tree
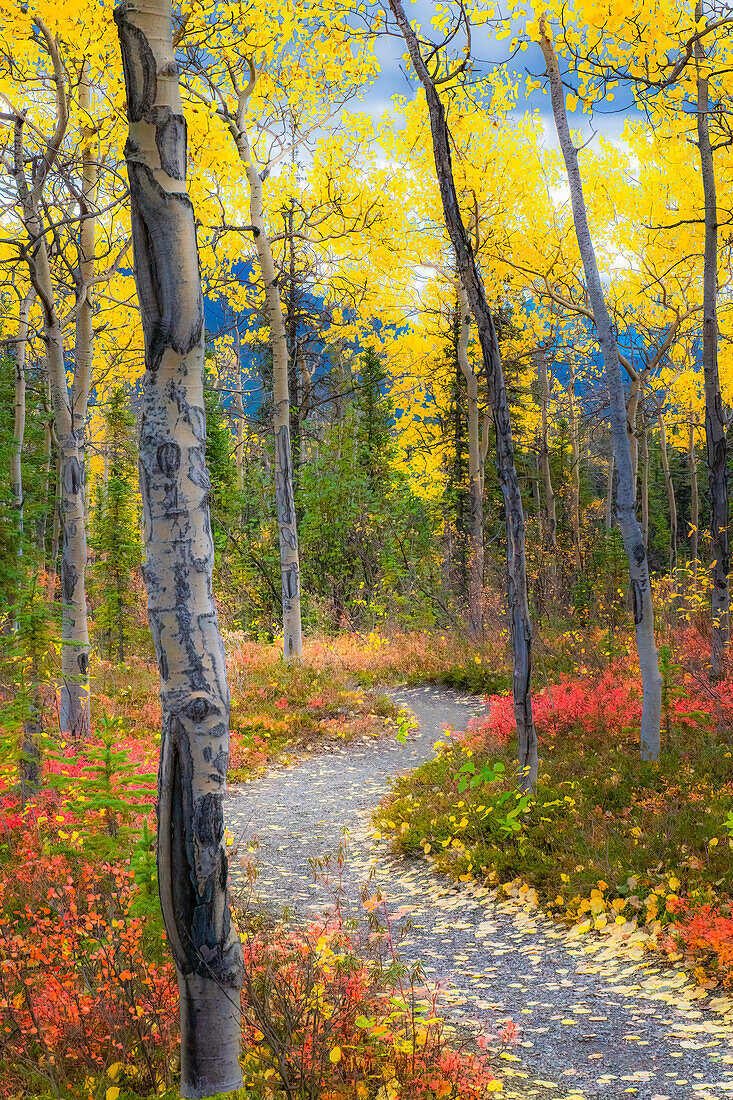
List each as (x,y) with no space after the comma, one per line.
(116,529)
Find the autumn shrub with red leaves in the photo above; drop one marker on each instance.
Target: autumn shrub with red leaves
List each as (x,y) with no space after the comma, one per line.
(609,840)
(321,1019)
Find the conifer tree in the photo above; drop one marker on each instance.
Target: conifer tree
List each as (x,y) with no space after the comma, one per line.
(116,540)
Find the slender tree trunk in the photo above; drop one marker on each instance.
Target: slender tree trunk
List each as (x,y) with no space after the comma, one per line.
(74,685)
(475,489)
(550,533)
(467,270)
(644,448)
(287,523)
(625,496)
(714,422)
(575,473)
(694,505)
(609,491)
(174,483)
(632,409)
(42,521)
(670,494)
(16,473)
(55,533)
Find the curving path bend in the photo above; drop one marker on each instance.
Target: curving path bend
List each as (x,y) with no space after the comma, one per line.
(593,1022)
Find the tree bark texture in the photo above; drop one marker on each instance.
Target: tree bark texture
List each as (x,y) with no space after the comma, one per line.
(671,501)
(609,491)
(644,449)
(475,485)
(284,495)
(467,271)
(175,486)
(19,362)
(550,532)
(575,472)
(714,422)
(74,684)
(694,500)
(625,493)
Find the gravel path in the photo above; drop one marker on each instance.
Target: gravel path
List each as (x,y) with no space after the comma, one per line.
(594,1023)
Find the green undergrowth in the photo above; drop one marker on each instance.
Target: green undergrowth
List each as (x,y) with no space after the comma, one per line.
(607,839)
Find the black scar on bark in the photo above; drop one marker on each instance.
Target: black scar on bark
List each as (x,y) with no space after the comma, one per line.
(198,709)
(639,553)
(170,137)
(82,661)
(197,472)
(637,601)
(70,576)
(138,62)
(182,856)
(73,475)
(171,306)
(169,459)
(208,821)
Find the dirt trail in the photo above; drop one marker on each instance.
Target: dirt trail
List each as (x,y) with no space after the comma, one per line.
(593,1024)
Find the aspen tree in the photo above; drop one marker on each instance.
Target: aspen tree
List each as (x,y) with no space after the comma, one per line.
(625,493)
(74,685)
(467,270)
(715,432)
(475,479)
(174,483)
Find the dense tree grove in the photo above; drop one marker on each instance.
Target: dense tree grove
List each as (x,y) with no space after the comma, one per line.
(284,365)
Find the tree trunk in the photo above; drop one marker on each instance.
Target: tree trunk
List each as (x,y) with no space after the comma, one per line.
(609,491)
(74,685)
(575,473)
(174,483)
(644,448)
(694,504)
(16,473)
(714,423)
(475,489)
(467,270)
(625,495)
(670,494)
(550,533)
(284,496)
(55,533)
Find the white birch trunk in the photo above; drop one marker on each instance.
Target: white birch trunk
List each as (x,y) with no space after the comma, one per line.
(174,483)
(625,496)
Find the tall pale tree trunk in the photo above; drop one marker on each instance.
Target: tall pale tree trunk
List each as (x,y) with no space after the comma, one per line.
(284,496)
(575,478)
(671,501)
(714,422)
(694,502)
(74,684)
(609,491)
(174,483)
(467,270)
(55,532)
(644,451)
(19,364)
(550,532)
(475,487)
(625,495)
